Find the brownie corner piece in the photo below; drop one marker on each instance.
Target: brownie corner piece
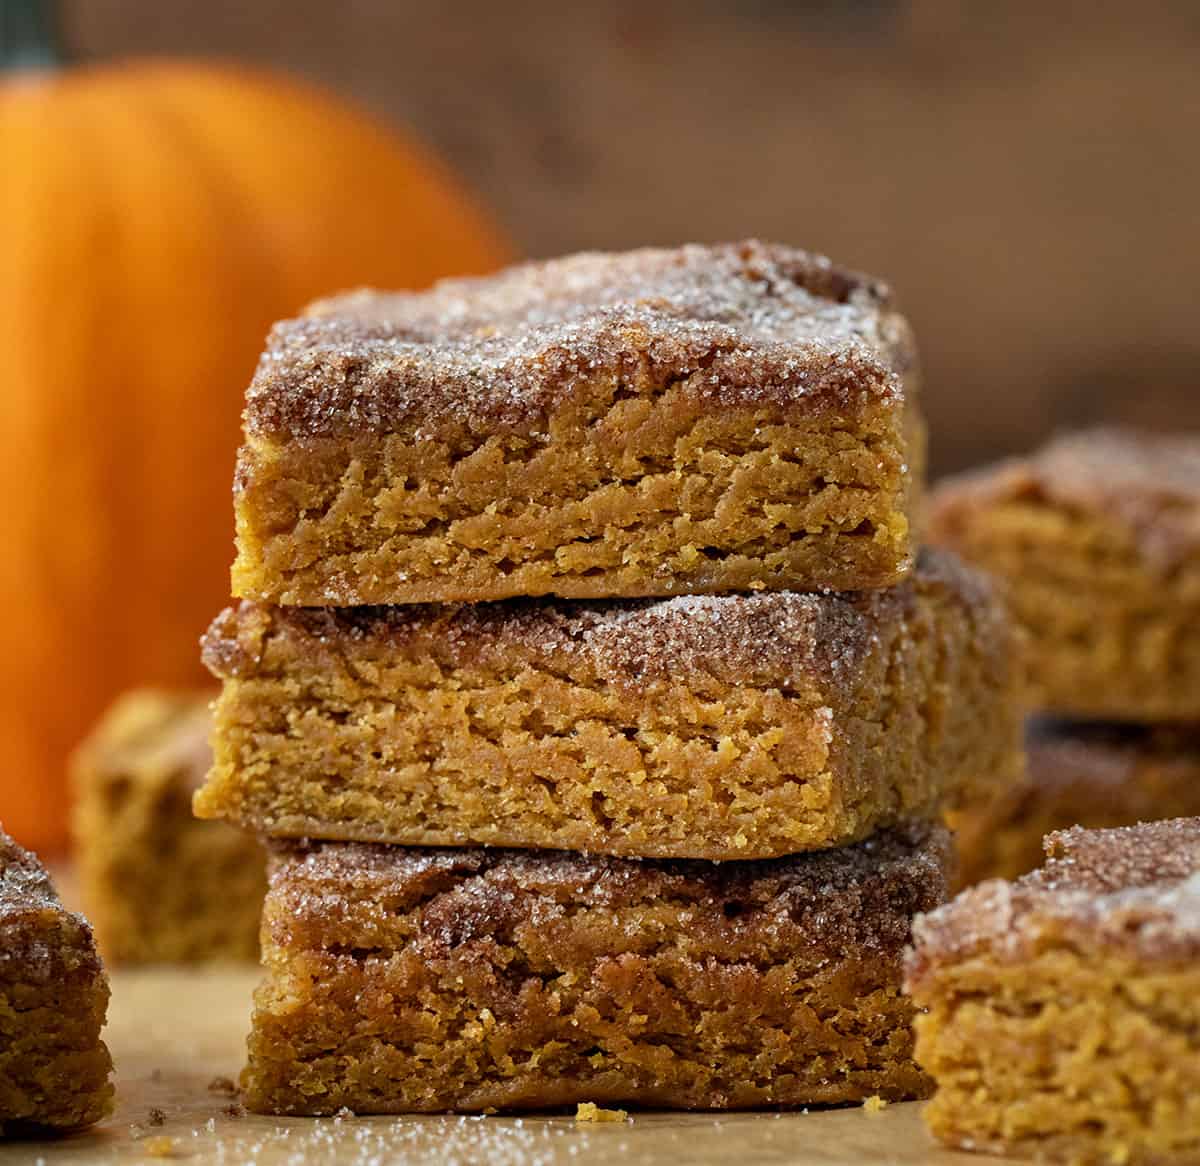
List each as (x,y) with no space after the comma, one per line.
(1096,537)
(1060,1014)
(701,419)
(54,1068)
(404,980)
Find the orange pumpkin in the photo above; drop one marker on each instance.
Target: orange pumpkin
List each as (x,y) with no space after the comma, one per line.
(154,220)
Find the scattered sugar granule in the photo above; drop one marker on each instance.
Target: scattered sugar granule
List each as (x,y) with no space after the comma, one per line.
(874,1105)
(590,1111)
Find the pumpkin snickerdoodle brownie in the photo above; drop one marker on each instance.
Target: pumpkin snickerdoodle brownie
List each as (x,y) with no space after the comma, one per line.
(1090,774)
(402,980)
(1060,1014)
(697,420)
(725,727)
(54,1068)
(159,885)
(1097,537)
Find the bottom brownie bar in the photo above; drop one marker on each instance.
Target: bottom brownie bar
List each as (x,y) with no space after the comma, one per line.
(1061,1013)
(159,885)
(406,980)
(53,997)
(1086,774)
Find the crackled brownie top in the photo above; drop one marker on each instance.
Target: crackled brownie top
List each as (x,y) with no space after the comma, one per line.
(860,895)
(781,638)
(1133,890)
(761,322)
(1148,482)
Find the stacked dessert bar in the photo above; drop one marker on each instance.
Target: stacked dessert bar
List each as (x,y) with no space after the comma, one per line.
(591,692)
(1096,538)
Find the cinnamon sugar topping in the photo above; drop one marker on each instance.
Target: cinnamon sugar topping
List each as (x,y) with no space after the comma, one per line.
(1135,889)
(746,322)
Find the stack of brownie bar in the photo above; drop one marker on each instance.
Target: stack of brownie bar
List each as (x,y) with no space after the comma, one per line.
(589,692)
(1096,538)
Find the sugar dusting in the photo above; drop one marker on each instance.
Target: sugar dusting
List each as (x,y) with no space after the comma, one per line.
(1147,482)
(1134,889)
(747,322)
(847,898)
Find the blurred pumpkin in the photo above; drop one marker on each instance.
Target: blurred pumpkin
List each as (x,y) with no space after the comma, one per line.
(155,218)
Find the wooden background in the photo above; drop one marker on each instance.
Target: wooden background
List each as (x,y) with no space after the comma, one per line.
(1026,174)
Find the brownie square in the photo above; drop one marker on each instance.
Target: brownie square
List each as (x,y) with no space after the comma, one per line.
(54,1068)
(1060,1014)
(468,980)
(159,885)
(723,727)
(662,422)
(1097,537)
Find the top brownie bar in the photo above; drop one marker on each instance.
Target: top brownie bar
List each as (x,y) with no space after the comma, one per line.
(696,420)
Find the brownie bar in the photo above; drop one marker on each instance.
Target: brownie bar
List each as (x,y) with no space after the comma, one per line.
(469,980)
(160,886)
(721,727)
(54,1068)
(1060,1014)
(1097,537)
(1078,773)
(662,422)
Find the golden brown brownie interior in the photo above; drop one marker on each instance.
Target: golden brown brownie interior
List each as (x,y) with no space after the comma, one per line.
(160,886)
(54,1068)
(1060,1014)
(664,422)
(723,727)
(408,980)
(1097,538)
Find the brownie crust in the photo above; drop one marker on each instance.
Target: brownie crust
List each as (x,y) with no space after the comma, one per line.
(702,727)
(1060,1014)
(467,980)
(1091,774)
(695,420)
(1097,538)
(159,885)
(54,1068)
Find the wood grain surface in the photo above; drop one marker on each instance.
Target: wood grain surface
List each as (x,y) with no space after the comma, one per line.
(173,1032)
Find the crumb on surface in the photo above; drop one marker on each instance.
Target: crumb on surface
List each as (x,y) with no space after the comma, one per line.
(234,1109)
(159,1147)
(590,1111)
(156,1117)
(874,1105)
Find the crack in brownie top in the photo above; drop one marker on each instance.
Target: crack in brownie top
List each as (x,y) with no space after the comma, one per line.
(858,895)
(747,323)
(1134,890)
(1147,482)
